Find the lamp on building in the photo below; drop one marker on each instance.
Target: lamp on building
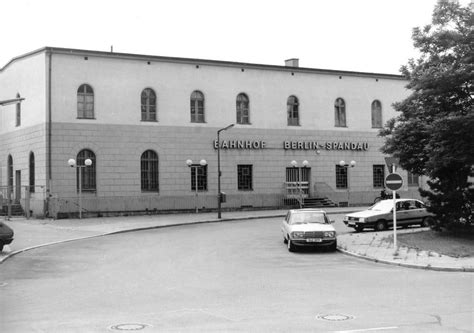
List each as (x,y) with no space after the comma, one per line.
(299,184)
(195,168)
(72,163)
(219,194)
(347,166)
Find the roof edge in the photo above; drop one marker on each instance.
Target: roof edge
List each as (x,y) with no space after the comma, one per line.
(197,61)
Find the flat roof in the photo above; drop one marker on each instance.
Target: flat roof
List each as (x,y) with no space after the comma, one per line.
(194,61)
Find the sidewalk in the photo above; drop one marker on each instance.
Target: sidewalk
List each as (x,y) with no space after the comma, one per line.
(34,233)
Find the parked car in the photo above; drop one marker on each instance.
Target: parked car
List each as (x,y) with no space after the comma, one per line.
(380,216)
(6,235)
(308,227)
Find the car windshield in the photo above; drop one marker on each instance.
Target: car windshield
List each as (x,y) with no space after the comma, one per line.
(382,206)
(307,217)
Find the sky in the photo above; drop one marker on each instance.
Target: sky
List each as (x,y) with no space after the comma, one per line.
(355,35)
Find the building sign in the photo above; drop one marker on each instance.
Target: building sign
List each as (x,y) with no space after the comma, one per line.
(241,144)
(293,145)
(329,145)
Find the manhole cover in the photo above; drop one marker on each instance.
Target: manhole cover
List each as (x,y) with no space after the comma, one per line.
(129,327)
(334,317)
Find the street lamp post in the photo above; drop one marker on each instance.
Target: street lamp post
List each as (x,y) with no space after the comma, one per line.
(294,164)
(195,167)
(72,163)
(219,195)
(347,166)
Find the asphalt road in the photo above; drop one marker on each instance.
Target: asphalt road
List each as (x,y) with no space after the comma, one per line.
(222,277)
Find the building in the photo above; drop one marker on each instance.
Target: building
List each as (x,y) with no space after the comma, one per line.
(139,118)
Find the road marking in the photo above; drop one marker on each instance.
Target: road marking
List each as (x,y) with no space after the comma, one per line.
(369,329)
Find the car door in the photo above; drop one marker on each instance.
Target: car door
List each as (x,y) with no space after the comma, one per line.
(285,226)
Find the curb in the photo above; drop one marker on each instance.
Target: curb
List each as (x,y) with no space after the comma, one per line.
(395,263)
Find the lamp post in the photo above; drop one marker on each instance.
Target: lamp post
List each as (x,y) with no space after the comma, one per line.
(195,167)
(294,164)
(72,163)
(347,166)
(219,195)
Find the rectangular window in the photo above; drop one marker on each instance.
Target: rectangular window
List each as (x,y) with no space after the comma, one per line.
(378,175)
(413,180)
(244,177)
(201,177)
(341,177)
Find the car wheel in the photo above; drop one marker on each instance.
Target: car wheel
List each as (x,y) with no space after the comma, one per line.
(359,229)
(333,247)
(1,247)
(380,226)
(285,240)
(428,221)
(291,246)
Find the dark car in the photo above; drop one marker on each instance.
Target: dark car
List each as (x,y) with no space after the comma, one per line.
(6,235)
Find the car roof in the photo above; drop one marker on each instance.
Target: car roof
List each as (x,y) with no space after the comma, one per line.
(302,210)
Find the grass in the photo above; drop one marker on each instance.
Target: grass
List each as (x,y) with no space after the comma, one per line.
(448,243)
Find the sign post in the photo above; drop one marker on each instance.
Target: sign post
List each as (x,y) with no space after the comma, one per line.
(394,182)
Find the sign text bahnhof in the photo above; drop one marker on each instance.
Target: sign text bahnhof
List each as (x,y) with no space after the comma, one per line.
(293,145)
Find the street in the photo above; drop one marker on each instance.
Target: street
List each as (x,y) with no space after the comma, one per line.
(234,276)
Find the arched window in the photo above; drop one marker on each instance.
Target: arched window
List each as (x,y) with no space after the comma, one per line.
(242,109)
(292,107)
(148,101)
(340,112)
(376,114)
(197,107)
(10,172)
(18,111)
(88,176)
(149,171)
(32,172)
(85,102)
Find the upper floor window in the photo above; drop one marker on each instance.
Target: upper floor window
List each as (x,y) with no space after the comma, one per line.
(149,171)
(376,114)
(292,106)
(32,172)
(148,101)
(340,112)
(88,176)
(85,102)
(18,111)
(197,107)
(242,109)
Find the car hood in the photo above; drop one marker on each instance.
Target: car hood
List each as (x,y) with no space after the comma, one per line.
(311,227)
(368,213)
(5,231)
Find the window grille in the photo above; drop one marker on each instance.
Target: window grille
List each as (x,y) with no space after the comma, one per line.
(341,177)
(378,175)
(149,171)
(244,177)
(88,175)
(201,177)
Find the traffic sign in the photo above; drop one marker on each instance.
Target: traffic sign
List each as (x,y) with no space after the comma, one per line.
(393,181)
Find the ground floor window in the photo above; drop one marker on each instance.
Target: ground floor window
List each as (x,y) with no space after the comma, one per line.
(199,171)
(413,179)
(341,177)
(244,177)
(378,175)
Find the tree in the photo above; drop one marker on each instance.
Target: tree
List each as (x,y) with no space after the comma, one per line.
(434,133)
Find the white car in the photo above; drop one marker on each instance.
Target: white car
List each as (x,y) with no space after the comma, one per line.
(308,227)
(380,215)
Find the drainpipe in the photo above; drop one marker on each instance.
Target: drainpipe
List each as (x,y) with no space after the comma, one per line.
(48,139)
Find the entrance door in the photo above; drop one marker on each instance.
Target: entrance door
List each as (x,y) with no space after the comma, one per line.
(298,182)
(17,186)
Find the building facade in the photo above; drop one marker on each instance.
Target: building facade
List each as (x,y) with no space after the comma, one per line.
(140,118)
